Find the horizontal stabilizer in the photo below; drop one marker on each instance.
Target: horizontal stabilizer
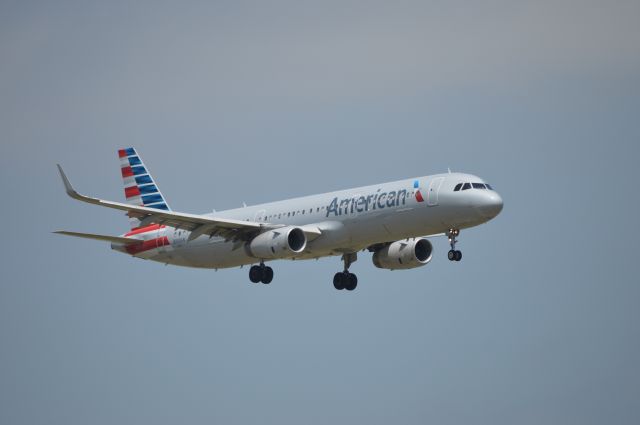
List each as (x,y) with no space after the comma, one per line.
(105,238)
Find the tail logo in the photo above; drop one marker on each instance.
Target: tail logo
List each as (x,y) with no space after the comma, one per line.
(139,187)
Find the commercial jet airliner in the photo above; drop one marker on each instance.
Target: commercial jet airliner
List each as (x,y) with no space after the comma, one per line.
(392,220)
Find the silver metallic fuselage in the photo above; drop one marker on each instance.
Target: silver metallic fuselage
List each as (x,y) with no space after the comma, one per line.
(347,221)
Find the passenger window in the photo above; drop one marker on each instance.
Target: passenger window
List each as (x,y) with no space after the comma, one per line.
(478,186)
(457,188)
(466,186)
(289,214)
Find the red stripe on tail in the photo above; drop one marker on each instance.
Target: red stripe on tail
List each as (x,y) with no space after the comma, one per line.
(145,229)
(126,172)
(147,245)
(132,191)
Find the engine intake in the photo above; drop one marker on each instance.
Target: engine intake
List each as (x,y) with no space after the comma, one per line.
(404,254)
(284,242)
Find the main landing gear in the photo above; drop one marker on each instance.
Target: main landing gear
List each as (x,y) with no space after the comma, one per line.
(344,279)
(453,254)
(261,273)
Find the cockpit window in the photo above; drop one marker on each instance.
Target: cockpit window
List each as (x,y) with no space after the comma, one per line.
(457,188)
(488,186)
(466,186)
(478,186)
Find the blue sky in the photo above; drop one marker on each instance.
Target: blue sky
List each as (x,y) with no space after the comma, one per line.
(232,102)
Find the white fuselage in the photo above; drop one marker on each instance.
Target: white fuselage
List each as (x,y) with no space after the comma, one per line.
(346,221)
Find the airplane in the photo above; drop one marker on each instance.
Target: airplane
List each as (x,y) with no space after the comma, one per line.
(393,221)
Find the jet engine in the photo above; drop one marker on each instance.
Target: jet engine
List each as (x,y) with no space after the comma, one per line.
(284,242)
(404,254)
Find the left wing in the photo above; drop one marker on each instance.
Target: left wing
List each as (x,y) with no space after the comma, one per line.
(199,225)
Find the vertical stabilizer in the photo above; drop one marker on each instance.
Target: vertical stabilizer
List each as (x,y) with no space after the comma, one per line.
(139,187)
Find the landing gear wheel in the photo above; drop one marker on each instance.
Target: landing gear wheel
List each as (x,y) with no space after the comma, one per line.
(453,254)
(261,273)
(255,274)
(267,275)
(351,281)
(344,279)
(458,256)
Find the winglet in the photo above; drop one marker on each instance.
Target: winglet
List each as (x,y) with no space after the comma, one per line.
(67,184)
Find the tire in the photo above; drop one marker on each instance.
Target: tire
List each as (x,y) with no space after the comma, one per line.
(351,282)
(267,275)
(451,255)
(458,255)
(255,274)
(337,281)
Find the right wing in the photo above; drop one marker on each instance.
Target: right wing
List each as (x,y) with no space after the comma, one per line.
(234,230)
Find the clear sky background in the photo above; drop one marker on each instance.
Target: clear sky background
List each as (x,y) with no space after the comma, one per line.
(241,101)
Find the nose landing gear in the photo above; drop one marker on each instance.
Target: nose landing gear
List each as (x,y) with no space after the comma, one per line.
(261,273)
(344,279)
(453,254)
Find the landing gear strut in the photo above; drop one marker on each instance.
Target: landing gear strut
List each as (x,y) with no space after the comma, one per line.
(261,273)
(453,254)
(344,279)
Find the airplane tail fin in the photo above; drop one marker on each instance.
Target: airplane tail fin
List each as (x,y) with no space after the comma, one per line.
(140,188)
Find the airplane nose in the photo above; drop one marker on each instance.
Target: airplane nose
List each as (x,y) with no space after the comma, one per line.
(491,206)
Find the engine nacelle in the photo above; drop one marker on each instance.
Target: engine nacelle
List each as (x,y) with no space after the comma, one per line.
(404,254)
(284,242)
